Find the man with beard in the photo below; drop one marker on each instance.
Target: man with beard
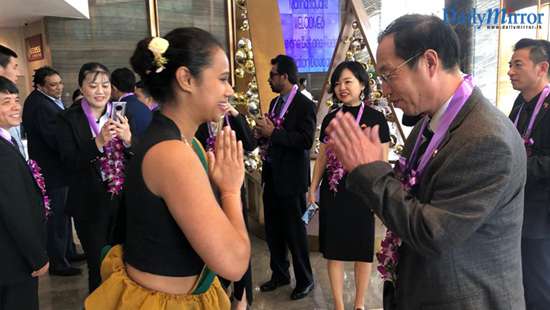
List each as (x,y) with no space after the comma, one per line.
(287,134)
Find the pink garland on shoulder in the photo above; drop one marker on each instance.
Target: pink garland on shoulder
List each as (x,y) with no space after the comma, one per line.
(112,165)
(39,178)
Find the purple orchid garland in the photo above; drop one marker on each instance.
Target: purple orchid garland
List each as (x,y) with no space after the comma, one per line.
(39,178)
(112,165)
(335,168)
(388,256)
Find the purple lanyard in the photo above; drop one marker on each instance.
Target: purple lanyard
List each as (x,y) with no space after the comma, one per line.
(91,120)
(455,105)
(527,133)
(287,104)
(211,132)
(124,96)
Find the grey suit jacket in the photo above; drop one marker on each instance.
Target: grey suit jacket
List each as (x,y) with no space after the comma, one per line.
(461,226)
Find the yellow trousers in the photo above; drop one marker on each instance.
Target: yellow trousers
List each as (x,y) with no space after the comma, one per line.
(120,292)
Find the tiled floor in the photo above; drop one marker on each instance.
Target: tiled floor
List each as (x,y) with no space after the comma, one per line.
(68,293)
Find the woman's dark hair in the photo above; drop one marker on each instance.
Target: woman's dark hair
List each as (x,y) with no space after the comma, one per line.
(7,86)
(92,67)
(41,74)
(77,93)
(358,71)
(190,47)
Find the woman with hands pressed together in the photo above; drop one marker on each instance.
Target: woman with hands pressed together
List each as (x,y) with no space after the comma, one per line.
(177,236)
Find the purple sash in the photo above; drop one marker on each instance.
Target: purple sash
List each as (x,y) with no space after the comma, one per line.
(91,120)
(278,120)
(527,140)
(409,174)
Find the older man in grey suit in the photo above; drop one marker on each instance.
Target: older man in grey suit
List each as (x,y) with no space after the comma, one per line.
(456,203)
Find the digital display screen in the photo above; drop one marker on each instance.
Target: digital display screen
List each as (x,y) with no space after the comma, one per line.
(310,31)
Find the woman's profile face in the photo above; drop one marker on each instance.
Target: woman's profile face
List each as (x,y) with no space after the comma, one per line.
(96,88)
(214,88)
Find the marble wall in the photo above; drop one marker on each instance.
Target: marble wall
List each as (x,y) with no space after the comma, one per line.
(210,15)
(108,37)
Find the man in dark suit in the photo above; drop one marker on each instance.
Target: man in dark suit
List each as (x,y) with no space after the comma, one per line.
(286,178)
(123,82)
(22,224)
(529,73)
(40,112)
(9,68)
(459,211)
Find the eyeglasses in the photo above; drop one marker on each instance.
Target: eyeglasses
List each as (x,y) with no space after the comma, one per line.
(386,77)
(273,74)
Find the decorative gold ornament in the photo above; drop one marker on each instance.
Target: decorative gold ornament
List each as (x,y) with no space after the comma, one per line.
(240,56)
(329,103)
(250,54)
(249,66)
(245,44)
(239,73)
(242,4)
(244,26)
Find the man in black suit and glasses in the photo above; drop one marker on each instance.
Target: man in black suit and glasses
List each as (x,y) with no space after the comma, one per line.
(287,132)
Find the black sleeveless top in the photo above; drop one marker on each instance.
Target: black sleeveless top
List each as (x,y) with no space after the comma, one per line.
(154,241)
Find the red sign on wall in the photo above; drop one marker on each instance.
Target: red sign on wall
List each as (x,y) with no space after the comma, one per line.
(35,51)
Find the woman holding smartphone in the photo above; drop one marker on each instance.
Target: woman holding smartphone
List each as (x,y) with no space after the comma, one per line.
(85,132)
(346,227)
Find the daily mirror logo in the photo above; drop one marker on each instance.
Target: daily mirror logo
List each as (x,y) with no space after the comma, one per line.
(493,18)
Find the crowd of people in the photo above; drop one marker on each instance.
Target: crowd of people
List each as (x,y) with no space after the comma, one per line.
(151,173)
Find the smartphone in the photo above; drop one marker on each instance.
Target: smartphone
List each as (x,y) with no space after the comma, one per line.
(118,109)
(312,208)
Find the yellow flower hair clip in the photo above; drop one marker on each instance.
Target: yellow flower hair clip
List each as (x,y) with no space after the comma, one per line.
(158,47)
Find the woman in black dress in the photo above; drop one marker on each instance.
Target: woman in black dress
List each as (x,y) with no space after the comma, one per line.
(346,230)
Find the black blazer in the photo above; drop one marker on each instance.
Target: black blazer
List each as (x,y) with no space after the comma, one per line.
(88,198)
(22,221)
(39,118)
(289,148)
(139,115)
(536,218)
(241,128)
